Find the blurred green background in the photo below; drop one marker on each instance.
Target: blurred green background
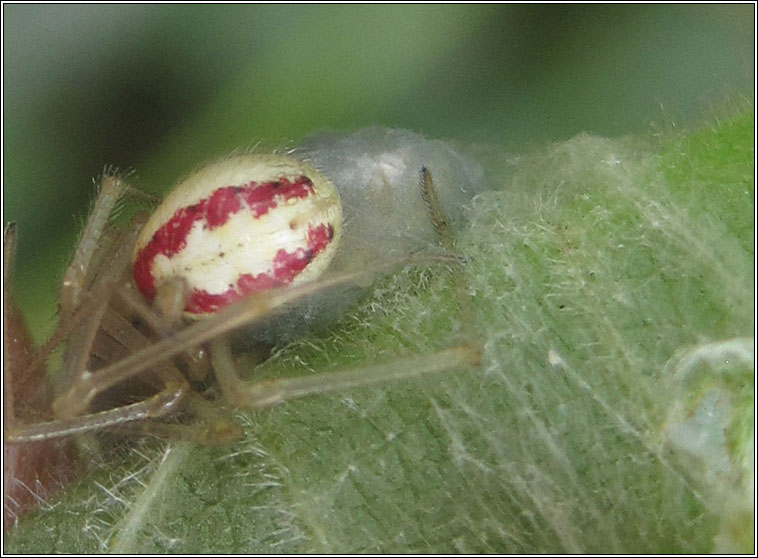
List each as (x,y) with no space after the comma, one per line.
(162,88)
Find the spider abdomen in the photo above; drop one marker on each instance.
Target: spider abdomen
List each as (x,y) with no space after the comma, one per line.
(241,225)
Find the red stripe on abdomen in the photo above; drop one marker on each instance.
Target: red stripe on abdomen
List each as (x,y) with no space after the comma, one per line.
(213,212)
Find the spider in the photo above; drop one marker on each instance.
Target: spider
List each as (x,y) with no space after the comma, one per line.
(251,246)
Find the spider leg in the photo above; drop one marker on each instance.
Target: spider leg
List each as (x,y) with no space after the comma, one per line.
(112,188)
(20,382)
(446,238)
(195,359)
(74,324)
(216,427)
(156,406)
(264,394)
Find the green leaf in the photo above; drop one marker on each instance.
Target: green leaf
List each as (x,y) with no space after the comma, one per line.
(610,277)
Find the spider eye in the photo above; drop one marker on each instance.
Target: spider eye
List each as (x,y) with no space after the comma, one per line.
(242,225)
